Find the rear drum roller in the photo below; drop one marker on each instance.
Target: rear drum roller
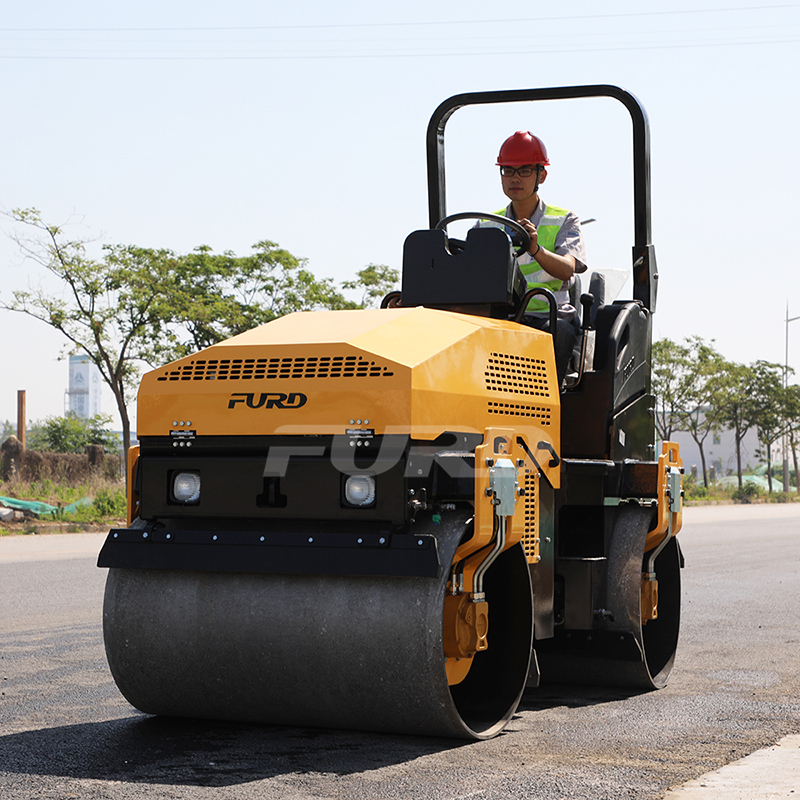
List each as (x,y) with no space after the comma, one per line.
(622,650)
(360,652)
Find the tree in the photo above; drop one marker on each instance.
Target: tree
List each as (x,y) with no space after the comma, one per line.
(732,403)
(377,280)
(767,403)
(779,416)
(672,378)
(699,416)
(8,429)
(72,434)
(137,306)
(685,379)
(771,424)
(792,411)
(746,398)
(111,308)
(215,296)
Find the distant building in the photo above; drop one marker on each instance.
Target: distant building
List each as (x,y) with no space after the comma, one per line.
(85,384)
(720,452)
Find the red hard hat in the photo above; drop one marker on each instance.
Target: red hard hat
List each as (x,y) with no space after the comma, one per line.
(522,148)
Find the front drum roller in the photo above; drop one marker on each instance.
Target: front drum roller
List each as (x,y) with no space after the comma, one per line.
(623,650)
(359,652)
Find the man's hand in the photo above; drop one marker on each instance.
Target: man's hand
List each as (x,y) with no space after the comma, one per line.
(558,266)
(531,228)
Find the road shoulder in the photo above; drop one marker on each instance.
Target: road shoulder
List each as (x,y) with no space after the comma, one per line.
(767,774)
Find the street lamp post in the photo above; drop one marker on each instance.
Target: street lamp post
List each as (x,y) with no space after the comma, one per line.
(785,385)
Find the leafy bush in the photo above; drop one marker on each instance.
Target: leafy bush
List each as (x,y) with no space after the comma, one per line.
(782,497)
(747,492)
(72,434)
(694,489)
(111,503)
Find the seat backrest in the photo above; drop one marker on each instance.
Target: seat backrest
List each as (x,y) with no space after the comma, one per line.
(478,278)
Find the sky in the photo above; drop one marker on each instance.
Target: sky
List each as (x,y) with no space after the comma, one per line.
(175,124)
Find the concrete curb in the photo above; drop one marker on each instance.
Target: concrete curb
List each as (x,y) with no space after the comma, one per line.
(767,774)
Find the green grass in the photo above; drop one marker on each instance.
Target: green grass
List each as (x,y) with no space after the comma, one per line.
(696,492)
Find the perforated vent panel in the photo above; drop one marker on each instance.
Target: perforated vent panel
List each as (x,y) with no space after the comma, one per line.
(541,413)
(232,369)
(530,539)
(516,375)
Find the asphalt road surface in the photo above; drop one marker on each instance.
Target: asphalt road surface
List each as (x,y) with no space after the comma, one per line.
(65,732)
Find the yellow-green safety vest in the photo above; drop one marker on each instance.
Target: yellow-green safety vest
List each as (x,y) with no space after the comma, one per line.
(547,230)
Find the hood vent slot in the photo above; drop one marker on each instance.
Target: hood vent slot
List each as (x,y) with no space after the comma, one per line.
(517,375)
(235,369)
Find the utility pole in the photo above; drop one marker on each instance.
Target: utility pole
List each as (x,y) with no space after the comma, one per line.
(21,417)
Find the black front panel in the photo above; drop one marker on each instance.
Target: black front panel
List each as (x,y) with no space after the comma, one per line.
(237,487)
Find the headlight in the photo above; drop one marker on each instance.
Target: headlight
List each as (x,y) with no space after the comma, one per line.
(186,487)
(359,490)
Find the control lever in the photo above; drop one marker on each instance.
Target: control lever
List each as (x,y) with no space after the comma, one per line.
(587,301)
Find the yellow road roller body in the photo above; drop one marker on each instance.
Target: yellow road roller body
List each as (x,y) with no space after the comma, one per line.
(397,519)
(416,372)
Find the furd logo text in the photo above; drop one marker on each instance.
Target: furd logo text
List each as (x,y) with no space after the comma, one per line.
(268,400)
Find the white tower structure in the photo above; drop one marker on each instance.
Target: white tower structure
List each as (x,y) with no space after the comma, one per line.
(84,387)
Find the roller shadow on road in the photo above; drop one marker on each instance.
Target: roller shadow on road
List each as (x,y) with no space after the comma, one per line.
(554,695)
(175,752)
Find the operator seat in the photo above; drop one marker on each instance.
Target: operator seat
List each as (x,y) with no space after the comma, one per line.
(479,276)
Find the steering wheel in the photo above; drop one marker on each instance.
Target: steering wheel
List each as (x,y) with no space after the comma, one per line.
(521,243)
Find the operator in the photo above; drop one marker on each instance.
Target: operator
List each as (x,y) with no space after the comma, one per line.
(556,252)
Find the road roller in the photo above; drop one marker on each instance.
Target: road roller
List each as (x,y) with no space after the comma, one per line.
(398,519)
